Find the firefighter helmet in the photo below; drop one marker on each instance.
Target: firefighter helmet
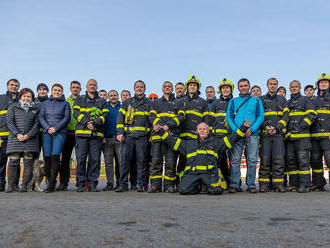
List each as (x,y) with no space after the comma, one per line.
(323,76)
(224,82)
(193,79)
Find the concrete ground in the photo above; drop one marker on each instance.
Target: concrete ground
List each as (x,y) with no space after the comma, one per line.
(109,219)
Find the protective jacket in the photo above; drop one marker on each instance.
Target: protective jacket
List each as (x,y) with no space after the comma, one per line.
(321,126)
(217,117)
(5,101)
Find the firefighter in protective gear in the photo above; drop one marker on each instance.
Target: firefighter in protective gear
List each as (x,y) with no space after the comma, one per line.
(202,158)
(301,116)
(321,133)
(133,130)
(168,112)
(196,110)
(218,123)
(272,145)
(90,111)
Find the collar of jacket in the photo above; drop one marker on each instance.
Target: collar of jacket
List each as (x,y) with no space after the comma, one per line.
(227,98)
(171,98)
(295,96)
(42,98)
(195,95)
(244,96)
(179,97)
(96,95)
(323,93)
(211,100)
(10,95)
(59,99)
(118,104)
(140,99)
(271,97)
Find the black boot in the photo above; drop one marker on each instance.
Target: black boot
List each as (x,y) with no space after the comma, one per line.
(12,175)
(48,166)
(55,159)
(27,174)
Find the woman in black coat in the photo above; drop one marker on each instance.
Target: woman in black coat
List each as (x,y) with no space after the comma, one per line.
(23,124)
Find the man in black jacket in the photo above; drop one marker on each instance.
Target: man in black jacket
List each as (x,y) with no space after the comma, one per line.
(6,100)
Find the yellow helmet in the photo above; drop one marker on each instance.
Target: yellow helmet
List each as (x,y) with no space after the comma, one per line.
(193,79)
(224,82)
(323,76)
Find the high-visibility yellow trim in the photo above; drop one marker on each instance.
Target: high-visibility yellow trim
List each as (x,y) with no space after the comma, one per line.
(283,122)
(169,178)
(152,112)
(220,114)
(2,112)
(307,121)
(120,125)
(76,107)
(300,135)
(297,113)
(273,113)
(176,121)
(194,113)
(285,110)
(4,133)
(205,152)
(319,111)
(266,180)
(227,142)
(102,118)
(155,121)
(137,129)
(199,167)
(305,172)
(181,112)
(164,136)
(194,136)
(240,133)
(80,117)
(156,137)
(88,132)
(166,114)
(207,113)
(221,130)
(105,110)
(156,177)
(85,109)
(122,111)
(311,111)
(141,113)
(293,172)
(212,113)
(318,171)
(320,134)
(177,143)
(277,180)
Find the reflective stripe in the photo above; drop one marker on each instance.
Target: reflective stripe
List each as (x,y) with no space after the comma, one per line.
(264,180)
(80,117)
(156,137)
(102,118)
(155,177)
(221,130)
(296,113)
(227,142)
(177,121)
(76,107)
(181,112)
(88,132)
(4,133)
(283,122)
(2,112)
(301,135)
(141,113)
(153,112)
(240,133)
(220,114)
(194,113)
(285,110)
(276,180)
(293,172)
(177,143)
(307,121)
(207,113)
(199,167)
(166,114)
(164,136)
(318,171)
(320,134)
(122,111)
(137,129)
(85,109)
(310,111)
(305,172)
(105,110)
(169,178)
(155,121)
(205,152)
(273,113)
(120,125)
(319,111)
(194,136)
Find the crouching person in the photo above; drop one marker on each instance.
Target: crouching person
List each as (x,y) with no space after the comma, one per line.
(202,157)
(23,124)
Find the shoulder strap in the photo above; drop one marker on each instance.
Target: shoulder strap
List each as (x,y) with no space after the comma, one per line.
(240,106)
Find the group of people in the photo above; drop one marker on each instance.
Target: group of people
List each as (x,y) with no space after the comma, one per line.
(176,143)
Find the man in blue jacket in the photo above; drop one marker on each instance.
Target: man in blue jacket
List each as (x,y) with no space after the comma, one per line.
(240,109)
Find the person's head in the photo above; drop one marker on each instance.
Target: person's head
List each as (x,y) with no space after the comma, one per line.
(113,96)
(103,94)
(203,130)
(323,81)
(179,89)
(139,88)
(57,90)
(295,87)
(210,92)
(91,86)
(243,86)
(256,91)
(42,90)
(272,85)
(13,85)
(193,85)
(225,87)
(26,95)
(167,88)
(75,88)
(281,91)
(124,95)
(309,90)
(153,97)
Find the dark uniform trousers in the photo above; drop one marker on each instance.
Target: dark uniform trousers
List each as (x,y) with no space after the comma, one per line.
(159,152)
(223,165)
(88,147)
(64,169)
(298,159)
(272,160)
(3,161)
(320,148)
(131,146)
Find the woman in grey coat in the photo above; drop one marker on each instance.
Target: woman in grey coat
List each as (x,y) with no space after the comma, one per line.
(23,124)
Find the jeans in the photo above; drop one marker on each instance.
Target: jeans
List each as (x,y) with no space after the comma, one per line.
(53,144)
(111,152)
(235,155)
